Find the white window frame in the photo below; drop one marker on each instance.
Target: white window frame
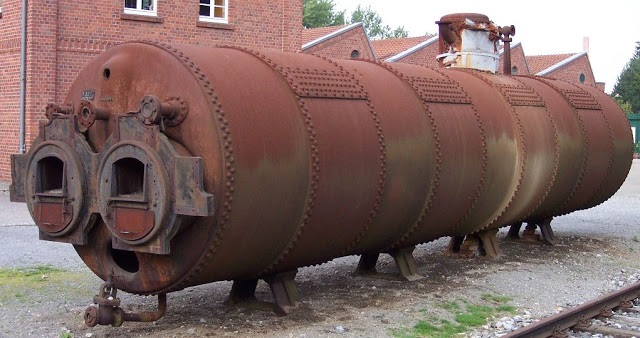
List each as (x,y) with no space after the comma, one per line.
(139,11)
(211,17)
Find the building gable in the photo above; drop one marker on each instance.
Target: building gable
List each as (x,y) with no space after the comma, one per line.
(341,42)
(519,65)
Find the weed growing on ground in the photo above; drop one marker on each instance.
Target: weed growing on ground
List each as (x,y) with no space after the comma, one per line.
(466,314)
(24,284)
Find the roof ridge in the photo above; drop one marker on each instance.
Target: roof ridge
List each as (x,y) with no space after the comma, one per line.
(561,63)
(340,29)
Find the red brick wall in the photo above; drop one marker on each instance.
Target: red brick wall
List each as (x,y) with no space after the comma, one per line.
(341,46)
(9,83)
(64,35)
(41,63)
(424,57)
(518,59)
(571,72)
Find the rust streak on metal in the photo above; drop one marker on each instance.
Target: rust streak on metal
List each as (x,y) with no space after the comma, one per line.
(198,164)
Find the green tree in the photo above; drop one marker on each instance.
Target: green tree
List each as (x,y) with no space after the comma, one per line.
(627,88)
(373,24)
(321,13)
(625,106)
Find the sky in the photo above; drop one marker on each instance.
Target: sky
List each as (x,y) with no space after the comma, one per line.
(542,26)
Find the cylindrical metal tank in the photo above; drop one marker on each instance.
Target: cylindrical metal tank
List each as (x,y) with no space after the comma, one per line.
(197,164)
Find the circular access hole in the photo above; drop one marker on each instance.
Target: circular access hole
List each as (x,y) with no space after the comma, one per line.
(126,260)
(106,73)
(85,113)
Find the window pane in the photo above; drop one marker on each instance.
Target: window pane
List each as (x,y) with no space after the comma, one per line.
(219,2)
(147,4)
(130,4)
(219,12)
(205,10)
(205,2)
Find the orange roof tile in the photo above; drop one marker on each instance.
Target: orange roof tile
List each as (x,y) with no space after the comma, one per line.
(538,63)
(390,47)
(310,34)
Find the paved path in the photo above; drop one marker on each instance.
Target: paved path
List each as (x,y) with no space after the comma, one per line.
(13,214)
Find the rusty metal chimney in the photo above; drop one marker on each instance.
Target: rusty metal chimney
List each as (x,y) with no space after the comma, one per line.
(505,35)
(468,40)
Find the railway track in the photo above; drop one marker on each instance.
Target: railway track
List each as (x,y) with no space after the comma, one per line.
(616,314)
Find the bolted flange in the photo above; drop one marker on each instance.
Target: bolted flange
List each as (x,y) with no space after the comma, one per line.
(172,112)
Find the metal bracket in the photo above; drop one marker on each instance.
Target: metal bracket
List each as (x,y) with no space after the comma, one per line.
(405,262)
(283,288)
(483,243)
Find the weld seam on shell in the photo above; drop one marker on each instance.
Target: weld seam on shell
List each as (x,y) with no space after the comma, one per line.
(313,152)
(599,196)
(382,177)
(523,162)
(382,147)
(562,209)
(434,186)
(314,158)
(556,157)
(228,165)
(485,159)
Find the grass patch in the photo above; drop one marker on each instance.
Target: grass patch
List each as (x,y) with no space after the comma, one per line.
(8,275)
(496,298)
(450,306)
(467,316)
(445,329)
(42,282)
(636,239)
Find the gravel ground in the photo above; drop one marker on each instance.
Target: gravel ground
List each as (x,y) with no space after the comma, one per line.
(599,251)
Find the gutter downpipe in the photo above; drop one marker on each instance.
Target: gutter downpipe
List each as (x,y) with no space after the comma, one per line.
(23,80)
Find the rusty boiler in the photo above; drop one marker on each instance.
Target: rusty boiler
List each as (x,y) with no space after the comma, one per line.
(173,166)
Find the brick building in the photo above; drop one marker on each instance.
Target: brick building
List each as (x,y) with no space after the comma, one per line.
(62,36)
(573,67)
(420,50)
(519,64)
(342,42)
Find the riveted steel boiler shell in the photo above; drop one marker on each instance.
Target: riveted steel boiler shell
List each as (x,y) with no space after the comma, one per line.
(309,159)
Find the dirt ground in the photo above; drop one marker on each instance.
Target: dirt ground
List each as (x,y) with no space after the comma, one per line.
(599,249)
(540,279)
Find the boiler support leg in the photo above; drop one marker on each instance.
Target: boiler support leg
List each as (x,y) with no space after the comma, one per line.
(548,237)
(529,233)
(367,265)
(403,257)
(455,245)
(483,243)
(406,263)
(489,243)
(284,290)
(464,246)
(514,231)
(242,292)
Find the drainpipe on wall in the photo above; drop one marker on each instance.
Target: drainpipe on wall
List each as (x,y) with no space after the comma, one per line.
(23,81)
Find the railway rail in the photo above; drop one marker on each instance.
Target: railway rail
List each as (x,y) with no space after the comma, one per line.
(616,306)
